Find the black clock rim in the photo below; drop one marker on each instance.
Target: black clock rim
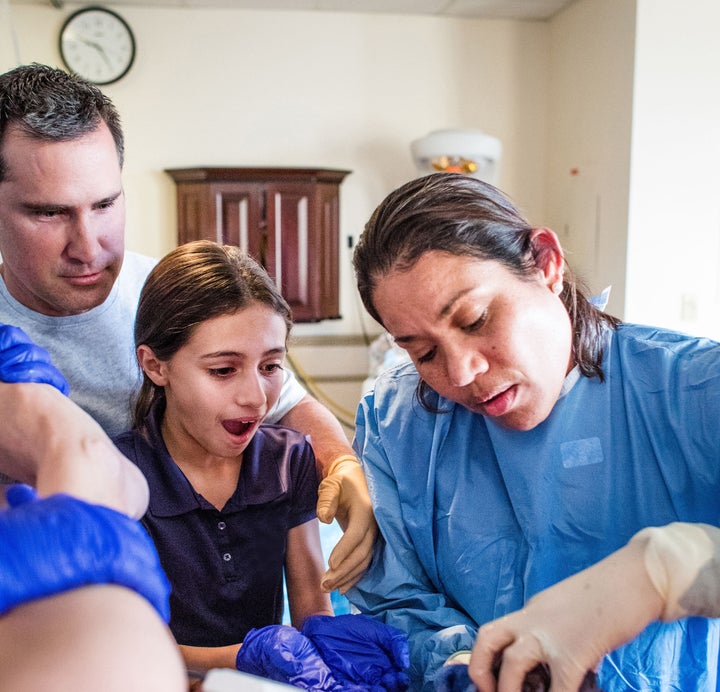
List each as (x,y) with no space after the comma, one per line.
(106,10)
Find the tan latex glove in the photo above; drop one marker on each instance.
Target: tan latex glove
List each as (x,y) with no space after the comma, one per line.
(343,495)
(683,561)
(571,625)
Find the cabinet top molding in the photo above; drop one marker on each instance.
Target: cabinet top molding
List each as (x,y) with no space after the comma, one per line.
(219,174)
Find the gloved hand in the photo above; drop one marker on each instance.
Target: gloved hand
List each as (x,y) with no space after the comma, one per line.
(281,653)
(361,651)
(343,494)
(455,678)
(569,626)
(21,360)
(681,560)
(60,543)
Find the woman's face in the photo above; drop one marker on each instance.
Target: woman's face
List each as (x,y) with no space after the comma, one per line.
(221,384)
(480,335)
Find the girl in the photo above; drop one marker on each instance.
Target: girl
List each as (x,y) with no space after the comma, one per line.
(232,501)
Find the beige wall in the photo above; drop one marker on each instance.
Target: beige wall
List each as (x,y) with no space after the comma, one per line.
(609,116)
(674,235)
(589,130)
(341,90)
(633,144)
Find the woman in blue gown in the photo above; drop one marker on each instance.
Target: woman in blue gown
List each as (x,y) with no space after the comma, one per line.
(531,436)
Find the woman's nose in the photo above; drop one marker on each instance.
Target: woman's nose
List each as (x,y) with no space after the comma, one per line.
(464,365)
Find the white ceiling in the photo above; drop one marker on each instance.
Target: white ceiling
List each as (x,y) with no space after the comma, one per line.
(498,9)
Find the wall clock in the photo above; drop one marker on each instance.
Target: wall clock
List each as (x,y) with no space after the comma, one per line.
(97,44)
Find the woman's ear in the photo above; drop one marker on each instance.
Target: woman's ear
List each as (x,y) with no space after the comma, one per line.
(151,365)
(549,258)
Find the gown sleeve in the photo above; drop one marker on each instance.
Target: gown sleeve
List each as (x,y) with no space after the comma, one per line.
(397,588)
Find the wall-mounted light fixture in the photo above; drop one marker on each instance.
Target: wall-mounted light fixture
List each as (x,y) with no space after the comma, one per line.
(461,151)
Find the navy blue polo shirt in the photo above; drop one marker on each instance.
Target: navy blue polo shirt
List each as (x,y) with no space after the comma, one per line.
(226,567)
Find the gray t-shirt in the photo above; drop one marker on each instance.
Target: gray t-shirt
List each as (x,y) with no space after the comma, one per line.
(95,350)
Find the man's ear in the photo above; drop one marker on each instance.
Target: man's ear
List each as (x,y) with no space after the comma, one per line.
(151,365)
(549,258)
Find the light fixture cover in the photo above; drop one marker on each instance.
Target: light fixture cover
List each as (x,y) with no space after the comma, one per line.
(462,150)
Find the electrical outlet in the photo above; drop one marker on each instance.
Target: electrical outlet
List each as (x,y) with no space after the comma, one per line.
(688,308)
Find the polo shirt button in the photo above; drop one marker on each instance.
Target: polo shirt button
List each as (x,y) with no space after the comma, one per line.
(227,557)
(221,525)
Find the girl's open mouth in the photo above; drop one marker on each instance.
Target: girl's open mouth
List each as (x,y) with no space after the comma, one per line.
(239,427)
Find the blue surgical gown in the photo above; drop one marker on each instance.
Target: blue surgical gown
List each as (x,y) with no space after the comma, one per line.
(475,519)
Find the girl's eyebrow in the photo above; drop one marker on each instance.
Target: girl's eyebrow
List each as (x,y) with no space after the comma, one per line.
(280,351)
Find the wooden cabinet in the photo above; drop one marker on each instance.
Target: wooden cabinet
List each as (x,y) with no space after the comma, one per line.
(286,218)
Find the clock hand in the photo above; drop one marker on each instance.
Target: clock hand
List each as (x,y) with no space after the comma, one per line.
(98,48)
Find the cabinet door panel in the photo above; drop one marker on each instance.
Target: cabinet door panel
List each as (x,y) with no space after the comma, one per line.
(286,218)
(327,251)
(241,218)
(196,220)
(288,259)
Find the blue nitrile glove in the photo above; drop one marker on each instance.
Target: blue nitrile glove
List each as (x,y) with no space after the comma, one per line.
(21,360)
(60,543)
(453,678)
(361,650)
(281,653)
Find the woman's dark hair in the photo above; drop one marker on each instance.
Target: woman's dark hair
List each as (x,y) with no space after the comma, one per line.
(461,215)
(190,285)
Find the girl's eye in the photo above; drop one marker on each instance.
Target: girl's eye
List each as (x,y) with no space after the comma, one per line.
(221,372)
(427,357)
(270,368)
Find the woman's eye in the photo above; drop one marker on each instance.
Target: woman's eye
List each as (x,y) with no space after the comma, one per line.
(479,322)
(428,356)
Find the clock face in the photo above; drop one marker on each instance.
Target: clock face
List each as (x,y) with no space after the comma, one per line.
(97,44)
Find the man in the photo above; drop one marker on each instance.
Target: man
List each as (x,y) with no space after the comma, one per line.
(67,280)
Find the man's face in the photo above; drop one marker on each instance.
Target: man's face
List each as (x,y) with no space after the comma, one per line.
(62,221)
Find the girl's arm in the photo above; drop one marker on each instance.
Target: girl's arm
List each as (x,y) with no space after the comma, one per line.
(304,568)
(200,659)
